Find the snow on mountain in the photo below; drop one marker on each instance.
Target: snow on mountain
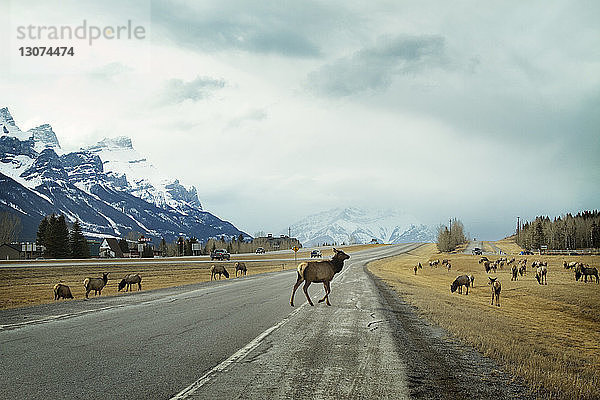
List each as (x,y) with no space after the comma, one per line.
(44,138)
(109,187)
(356,225)
(122,162)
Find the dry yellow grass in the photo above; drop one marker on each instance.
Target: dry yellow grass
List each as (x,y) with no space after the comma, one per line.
(547,334)
(21,287)
(508,246)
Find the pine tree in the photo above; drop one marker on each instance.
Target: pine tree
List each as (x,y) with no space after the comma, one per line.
(163,247)
(62,248)
(79,244)
(42,232)
(123,245)
(50,239)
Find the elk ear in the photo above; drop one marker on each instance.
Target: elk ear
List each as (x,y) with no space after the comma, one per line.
(336,250)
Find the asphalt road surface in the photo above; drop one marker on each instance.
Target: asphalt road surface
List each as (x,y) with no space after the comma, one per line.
(241,339)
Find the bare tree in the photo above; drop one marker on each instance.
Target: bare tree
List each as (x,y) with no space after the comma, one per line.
(10,227)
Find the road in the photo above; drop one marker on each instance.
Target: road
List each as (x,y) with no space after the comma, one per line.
(241,339)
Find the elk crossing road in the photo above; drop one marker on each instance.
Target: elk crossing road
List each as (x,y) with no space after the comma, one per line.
(236,338)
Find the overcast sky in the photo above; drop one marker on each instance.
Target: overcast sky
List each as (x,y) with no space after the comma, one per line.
(483,111)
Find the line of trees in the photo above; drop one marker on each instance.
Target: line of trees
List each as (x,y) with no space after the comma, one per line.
(450,237)
(53,233)
(561,233)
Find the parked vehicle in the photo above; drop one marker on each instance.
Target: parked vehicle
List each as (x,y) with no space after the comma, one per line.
(260,250)
(220,254)
(315,253)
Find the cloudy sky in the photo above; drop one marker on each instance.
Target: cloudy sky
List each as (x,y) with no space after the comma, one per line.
(483,111)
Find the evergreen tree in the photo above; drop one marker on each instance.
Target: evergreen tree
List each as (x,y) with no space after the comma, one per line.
(147,252)
(42,232)
(62,249)
(79,244)
(163,247)
(123,245)
(50,239)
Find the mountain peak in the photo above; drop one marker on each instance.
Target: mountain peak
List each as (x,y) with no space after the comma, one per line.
(5,117)
(44,137)
(117,143)
(358,225)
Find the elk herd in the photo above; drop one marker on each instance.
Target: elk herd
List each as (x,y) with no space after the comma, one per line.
(96,284)
(518,268)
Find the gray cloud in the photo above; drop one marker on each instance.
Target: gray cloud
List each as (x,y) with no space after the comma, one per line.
(269,28)
(373,68)
(177,90)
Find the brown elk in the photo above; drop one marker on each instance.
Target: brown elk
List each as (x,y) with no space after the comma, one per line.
(319,272)
(218,269)
(496,287)
(241,267)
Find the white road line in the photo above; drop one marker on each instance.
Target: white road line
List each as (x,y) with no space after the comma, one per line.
(237,356)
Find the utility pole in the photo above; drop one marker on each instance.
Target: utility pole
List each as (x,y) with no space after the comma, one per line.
(290,232)
(518,229)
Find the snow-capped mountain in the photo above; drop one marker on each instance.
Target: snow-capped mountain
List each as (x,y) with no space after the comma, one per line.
(122,163)
(355,225)
(109,187)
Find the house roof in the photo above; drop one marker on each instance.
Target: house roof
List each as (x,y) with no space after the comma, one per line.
(113,244)
(14,246)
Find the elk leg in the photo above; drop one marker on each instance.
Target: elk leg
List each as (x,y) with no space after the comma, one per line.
(298,282)
(327,291)
(326,297)
(305,288)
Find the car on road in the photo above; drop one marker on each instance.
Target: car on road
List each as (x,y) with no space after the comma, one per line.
(526,253)
(260,250)
(476,251)
(220,254)
(316,253)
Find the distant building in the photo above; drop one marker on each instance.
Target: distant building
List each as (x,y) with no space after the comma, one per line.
(10,252)
(110,249)
(94,246)
(271,243)
(21,251)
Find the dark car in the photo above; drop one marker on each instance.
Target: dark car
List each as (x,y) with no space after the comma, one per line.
(526,253)
(260,250)
(220,254)
(477,251)
(315,253)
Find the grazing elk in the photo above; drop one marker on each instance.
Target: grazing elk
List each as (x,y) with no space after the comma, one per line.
(415,268)
(241,267)
(62,292)
(319,272)
(129,280)
(459,282)
(514,270)
(581,271)
(540,275)
(496,288)
(95,284)
(570,265)
(472,279)
(523,270)
(218,269)
(482,259)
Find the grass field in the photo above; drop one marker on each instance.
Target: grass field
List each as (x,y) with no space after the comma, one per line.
(21,287)
(547,334)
